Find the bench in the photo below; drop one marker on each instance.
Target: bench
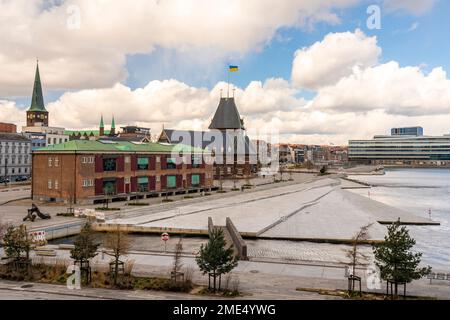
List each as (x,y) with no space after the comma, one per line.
(438,276)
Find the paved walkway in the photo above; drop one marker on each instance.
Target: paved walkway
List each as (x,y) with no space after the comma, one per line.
(265,280)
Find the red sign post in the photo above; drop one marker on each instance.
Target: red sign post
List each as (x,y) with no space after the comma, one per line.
(165,238)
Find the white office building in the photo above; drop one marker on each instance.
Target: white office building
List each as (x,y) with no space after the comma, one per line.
(15,156)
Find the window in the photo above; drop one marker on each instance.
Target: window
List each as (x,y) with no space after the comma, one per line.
(171,182)
(142,184)
(56,162)
(127,180)
(56,184)
(158,159)
(171,163)
(49,184)
(195,179)
(142,163)
(109,164)
(127,159)
(196,161)
(87,160)
(158,178)
(50,161)
(88,183)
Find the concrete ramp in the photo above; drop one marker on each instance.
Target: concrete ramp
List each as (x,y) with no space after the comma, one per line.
(232,237)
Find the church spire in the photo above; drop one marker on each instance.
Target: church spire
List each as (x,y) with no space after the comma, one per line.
(37,100)
(102,127)
(113,127)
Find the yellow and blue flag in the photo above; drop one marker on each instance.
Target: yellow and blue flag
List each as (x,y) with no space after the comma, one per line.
(233,68)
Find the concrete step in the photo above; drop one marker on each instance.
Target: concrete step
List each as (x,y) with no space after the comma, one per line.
(46,253)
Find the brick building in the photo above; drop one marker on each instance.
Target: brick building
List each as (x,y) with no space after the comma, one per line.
(7,127)
(89,171)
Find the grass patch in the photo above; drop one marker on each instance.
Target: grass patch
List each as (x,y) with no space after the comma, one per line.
(138,204)
(107,209)
(235,189)
(219,293)
(56,274)
(65,214)
(355,295)
(167,200)
(207,194)
(221,191)
(161,284)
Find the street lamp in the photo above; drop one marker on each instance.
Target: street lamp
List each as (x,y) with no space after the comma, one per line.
(6,170)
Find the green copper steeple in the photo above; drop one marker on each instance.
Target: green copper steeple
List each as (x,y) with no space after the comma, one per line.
(113,123)
(37,101)
(102,125)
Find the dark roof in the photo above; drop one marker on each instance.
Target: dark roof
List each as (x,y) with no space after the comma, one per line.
(13,137)
(205,139)
(226,116)
(37,100)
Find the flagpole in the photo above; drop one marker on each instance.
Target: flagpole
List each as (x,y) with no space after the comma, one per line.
(228,90)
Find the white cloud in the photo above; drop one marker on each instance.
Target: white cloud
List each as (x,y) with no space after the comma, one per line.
(327,61)
(389,87)
(365,100)
(94,55)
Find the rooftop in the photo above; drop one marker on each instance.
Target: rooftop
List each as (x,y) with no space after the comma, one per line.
(117,146)
(13,137)
(226,116)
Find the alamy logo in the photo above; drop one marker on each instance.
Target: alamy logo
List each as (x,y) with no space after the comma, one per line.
(373,277)
(74,280)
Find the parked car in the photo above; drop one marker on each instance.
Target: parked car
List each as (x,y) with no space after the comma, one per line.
(22,178)
(3,180)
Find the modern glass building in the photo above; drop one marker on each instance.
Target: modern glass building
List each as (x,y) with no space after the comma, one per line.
(402,149)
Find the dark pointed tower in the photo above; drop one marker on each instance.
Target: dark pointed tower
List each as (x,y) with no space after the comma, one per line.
(37,114)
(113,127)
(102,127)
(227,116)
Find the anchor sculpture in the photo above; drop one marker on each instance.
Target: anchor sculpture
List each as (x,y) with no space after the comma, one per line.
(32,214)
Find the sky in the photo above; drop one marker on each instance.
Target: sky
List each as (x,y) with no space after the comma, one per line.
(317,71)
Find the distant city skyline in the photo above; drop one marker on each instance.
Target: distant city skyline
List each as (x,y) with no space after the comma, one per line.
(314,69)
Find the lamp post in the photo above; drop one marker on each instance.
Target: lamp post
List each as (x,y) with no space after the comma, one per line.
(6,170)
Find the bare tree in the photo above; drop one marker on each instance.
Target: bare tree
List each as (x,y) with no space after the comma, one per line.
(177,263)
(3,228)
(70,209)
(119,242)
(354,254)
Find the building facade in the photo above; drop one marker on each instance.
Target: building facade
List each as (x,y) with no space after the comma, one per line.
(41,136)
(15,156)
(7,128)
(402,150)
(91,171)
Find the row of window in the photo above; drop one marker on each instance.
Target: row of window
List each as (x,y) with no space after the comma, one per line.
(55,140)
(110,164)
(14,171)
(10,143)
(53,162)
(53,184)
(13,159)
(14,149)
(88,183)
(87,160)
